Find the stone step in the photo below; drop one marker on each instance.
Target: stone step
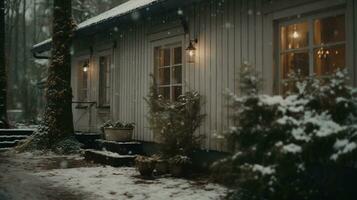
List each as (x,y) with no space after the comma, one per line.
(88,139)
(109,158)
(122,148)
(17,131)
(10,144)
(5,138)
(4,149)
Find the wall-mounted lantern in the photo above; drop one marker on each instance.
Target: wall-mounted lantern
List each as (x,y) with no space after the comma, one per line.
(191,51)
(85,67)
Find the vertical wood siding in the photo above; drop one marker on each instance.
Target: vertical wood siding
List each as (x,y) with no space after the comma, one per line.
(229,33)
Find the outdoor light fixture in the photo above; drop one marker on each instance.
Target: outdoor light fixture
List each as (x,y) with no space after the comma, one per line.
(191,51)
(85,67)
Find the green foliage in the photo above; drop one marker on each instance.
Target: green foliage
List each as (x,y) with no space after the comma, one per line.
(180,160)
(176,122)
(42,141)
(118,124)
(284,147)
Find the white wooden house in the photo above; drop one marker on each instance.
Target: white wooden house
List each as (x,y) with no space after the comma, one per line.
(115,53)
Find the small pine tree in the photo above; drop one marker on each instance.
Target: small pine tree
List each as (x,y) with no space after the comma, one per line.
(175,121)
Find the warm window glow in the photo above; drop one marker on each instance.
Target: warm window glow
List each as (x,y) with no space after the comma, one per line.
(321,54)
(169,71)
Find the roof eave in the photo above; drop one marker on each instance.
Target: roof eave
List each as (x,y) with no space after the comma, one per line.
(159,7)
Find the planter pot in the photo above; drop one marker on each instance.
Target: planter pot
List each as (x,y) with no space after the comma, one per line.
(179,170)
(117,134)
(162,167)
(145,168)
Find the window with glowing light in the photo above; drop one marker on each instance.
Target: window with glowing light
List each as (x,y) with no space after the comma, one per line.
(82,81)
(168,71)
(312,46)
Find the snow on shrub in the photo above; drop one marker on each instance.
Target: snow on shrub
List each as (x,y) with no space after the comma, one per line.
(176,121)
(277,141)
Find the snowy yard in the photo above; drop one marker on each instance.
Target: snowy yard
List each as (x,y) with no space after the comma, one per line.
(71,178)
(124,183)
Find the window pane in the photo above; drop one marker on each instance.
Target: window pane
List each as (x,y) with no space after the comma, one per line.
(164,57)
(104,80)
(295,62)
(164,76)
(176,92)
(165,92)
(84,80)
(328,60)
(83,95)
(330,30)
(177,55)
(294,36)
(177,75)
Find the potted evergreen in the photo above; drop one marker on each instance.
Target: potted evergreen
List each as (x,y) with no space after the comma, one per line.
(145,165)
(176,123)
(119,131)
(180,165)
(162,165)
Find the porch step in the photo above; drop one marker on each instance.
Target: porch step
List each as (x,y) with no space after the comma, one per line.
(109,158)
(88,139)
(4,149)
(122,148)
(4,138)
(27,132)
(9,144)
(9,138)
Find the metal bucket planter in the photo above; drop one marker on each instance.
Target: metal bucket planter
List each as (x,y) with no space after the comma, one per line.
(179,170)
(118,134)
(145,166)
(180,166)
(162,167)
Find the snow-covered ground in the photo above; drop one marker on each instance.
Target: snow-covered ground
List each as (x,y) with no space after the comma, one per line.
(35,176)
(124,183)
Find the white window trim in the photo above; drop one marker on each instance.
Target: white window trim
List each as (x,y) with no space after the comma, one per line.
(170,42)
(77,69)
(107,52)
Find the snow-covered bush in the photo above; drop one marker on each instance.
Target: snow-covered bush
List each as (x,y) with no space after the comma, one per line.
(281,144)
(176,121)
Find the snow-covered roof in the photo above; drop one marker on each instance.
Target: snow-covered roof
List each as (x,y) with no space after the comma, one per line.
(42,43)
(122,9)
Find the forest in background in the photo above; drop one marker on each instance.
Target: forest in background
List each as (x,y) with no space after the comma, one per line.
(28,22)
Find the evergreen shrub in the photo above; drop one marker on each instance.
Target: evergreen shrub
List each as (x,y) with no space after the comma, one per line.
(176,121)
(302,145)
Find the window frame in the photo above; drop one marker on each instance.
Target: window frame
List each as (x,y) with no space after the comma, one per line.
(79,80)
(171,43)
(100,92)
(311,45)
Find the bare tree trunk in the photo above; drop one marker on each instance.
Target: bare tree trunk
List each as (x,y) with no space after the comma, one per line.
(58,114)
(3,103)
